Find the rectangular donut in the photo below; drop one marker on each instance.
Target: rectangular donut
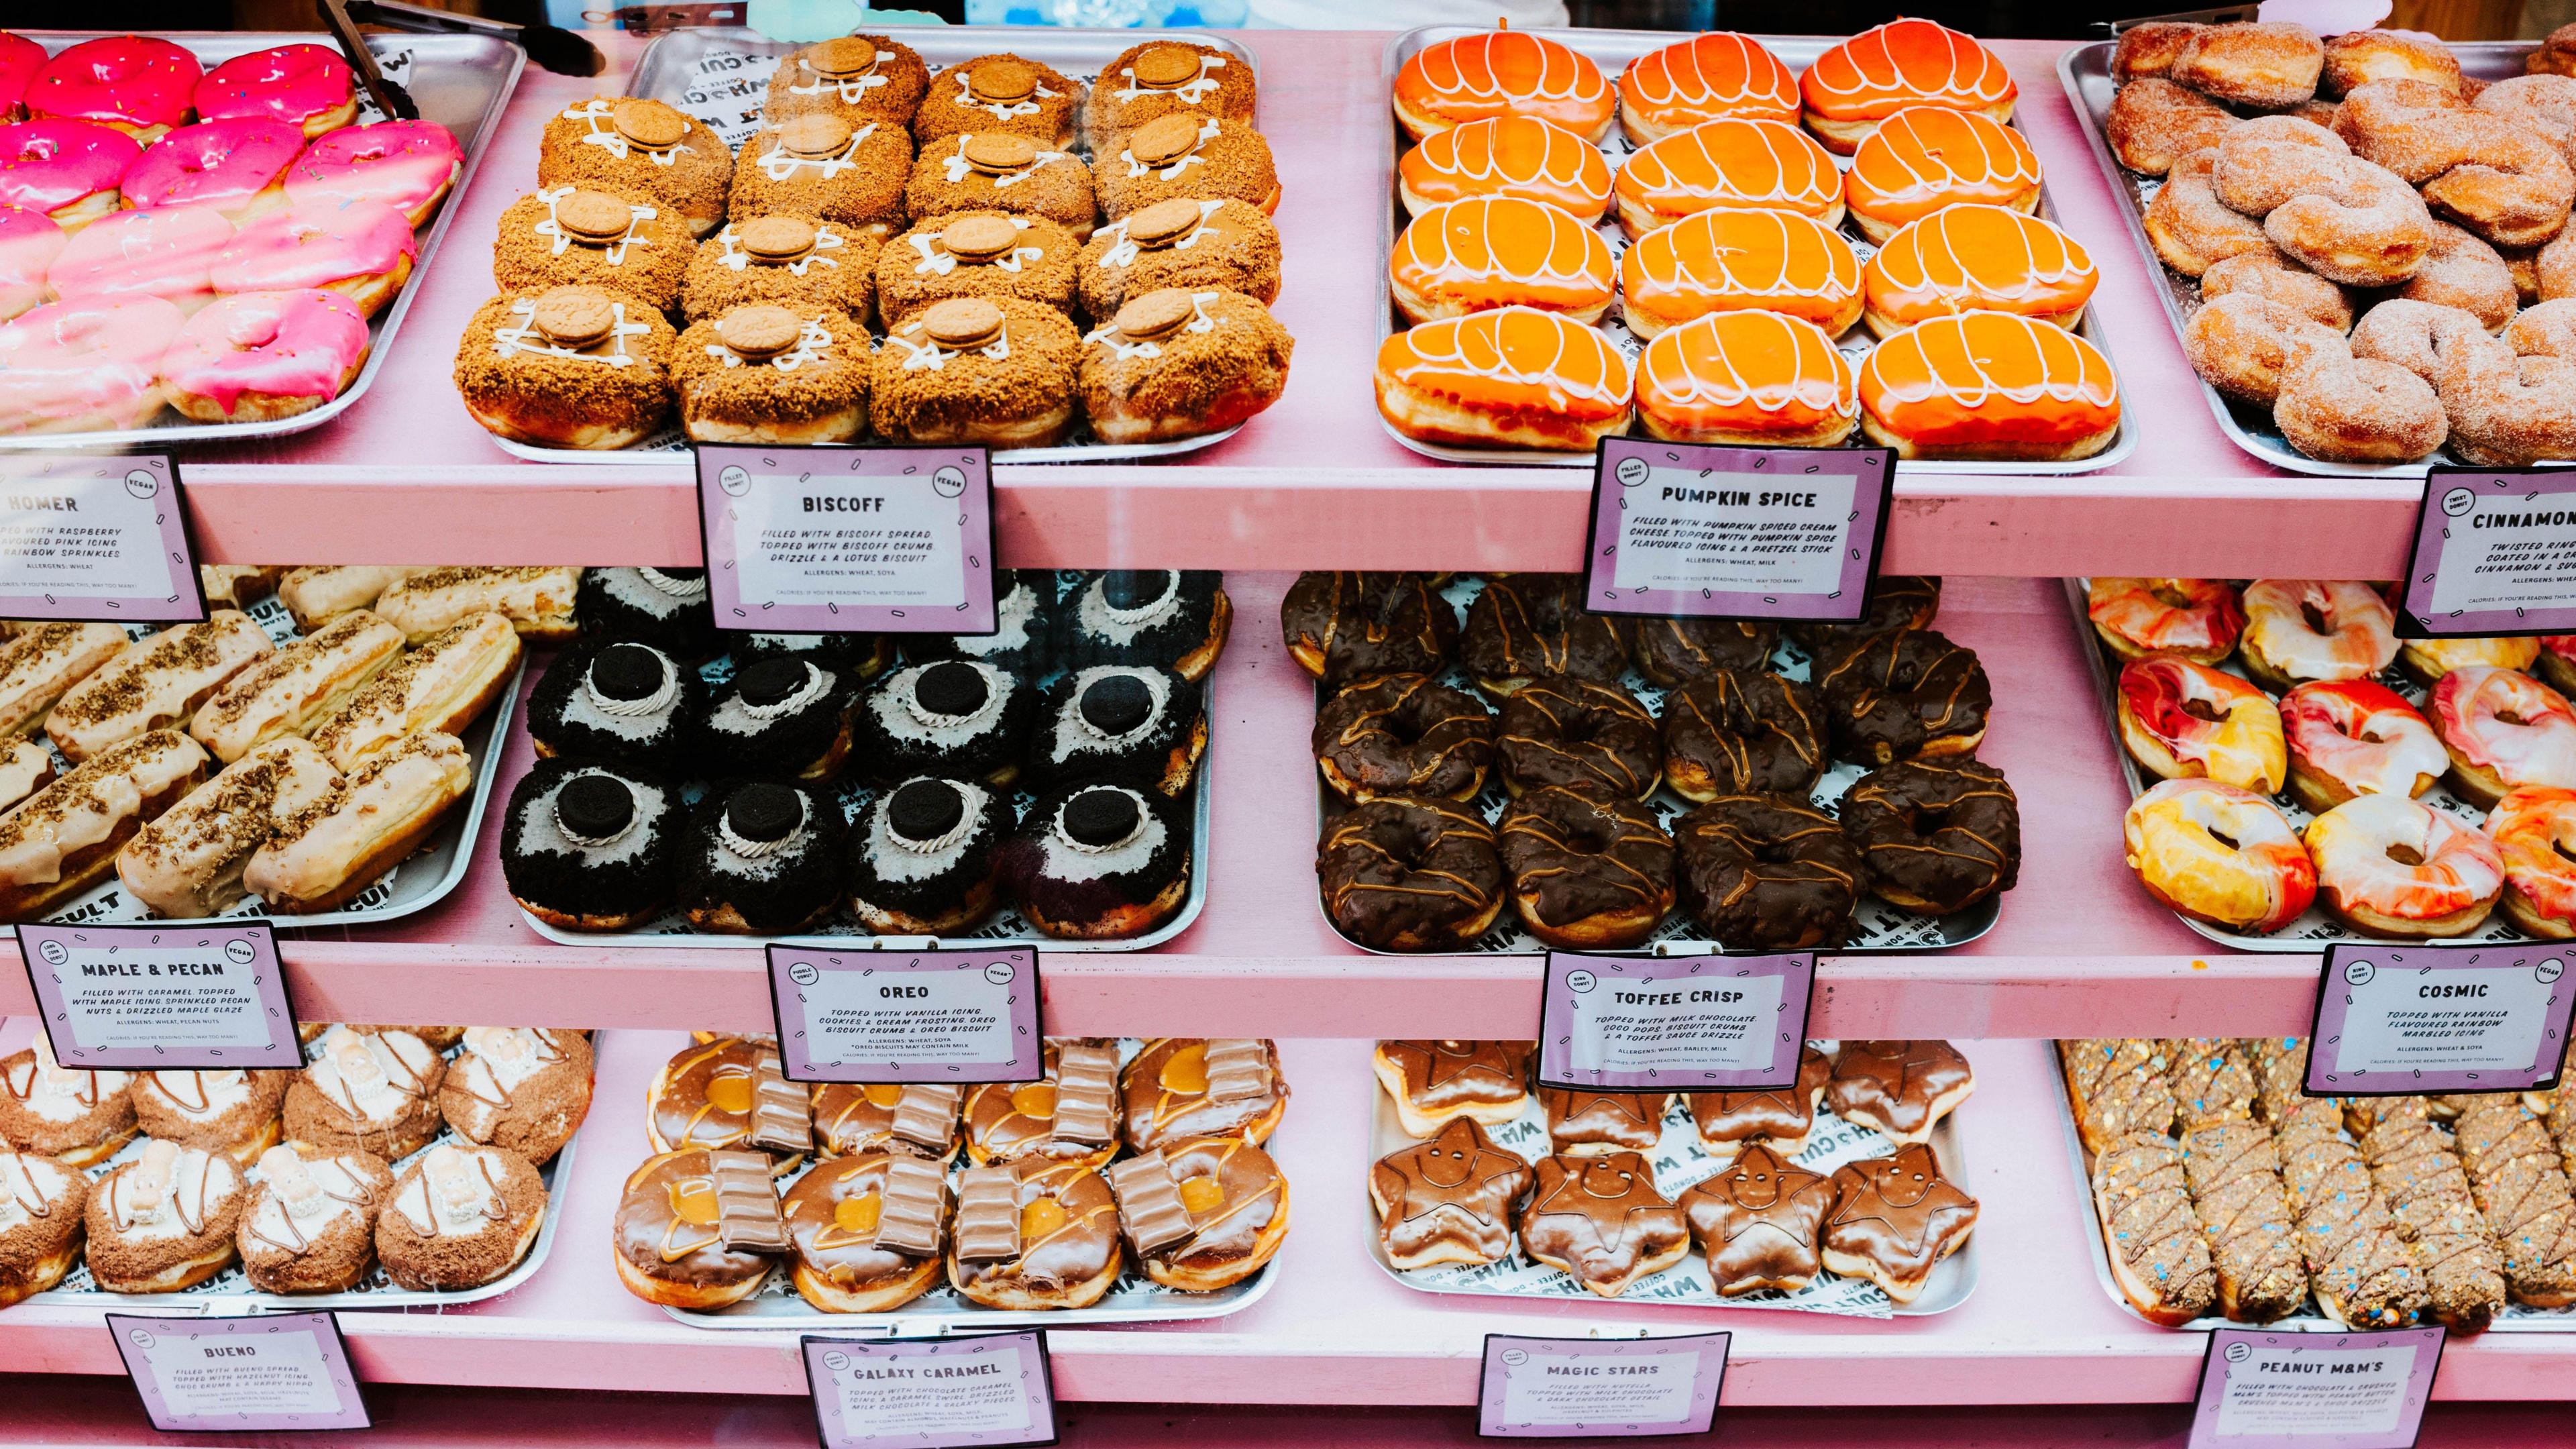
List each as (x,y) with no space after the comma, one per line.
(362,826)
(296,688)
(156,682)
(67,835)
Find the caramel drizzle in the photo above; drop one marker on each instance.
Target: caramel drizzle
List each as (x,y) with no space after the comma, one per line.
(1418,879)
(689,1135)
(24,1089)
(30,1197)
(547,1055)
(1225,1159)
(412,1084)
(832,1234)
(1068,1172)
(205,1096)
(301,1245)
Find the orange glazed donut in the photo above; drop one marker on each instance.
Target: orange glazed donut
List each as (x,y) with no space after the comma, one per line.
(2219,854)
(1976,258)
(1756,379)
(1706,78)
(2197,619)
(1499,251)
(1925,158)
(1506,156)
(2534,828)
(1988,385)
(1727,163)
(1721,261)
(2182,720)
(1875,74)
(1515,376)
(1502,73)
(2393,866)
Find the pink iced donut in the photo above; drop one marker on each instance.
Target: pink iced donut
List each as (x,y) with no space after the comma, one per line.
(139,84)
(29,242)
(236,167)
(2352,737)
(91,363)
(2504,729)
(265,355)
(20,59)
(308,86)
(362,249)
(166,253)
(68,170)
(407,165)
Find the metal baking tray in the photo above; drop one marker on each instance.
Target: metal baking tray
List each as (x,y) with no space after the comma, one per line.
(1679,1162)
(462,82)
(2314,931)
(229,1292)
(2085,72)
(2516,1317)
(1612,50)
(1134,1298)
(1877,926)
(720,75)
(416,884)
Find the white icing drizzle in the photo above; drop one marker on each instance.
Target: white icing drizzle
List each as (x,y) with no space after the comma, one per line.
(780,164)
(1122,253)
(598,114)
(931,355)
(813,344)
(956,166)
(200,1096)
(1201,320)
(1180,163)
(539,830)
(651,704)
(614,250)
(816,682)
(852,89)
(1191,91)
(825,240)
(763,849)
(524,337)
(685,589)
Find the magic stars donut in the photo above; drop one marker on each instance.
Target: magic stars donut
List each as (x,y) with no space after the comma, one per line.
(2534,828)
(1972,258)
(1502,73)
(2352,737)
(1727,163)
(2180,720)
(1705,78)
(1925,158)
(2390,866)
(2219,854)
(1883,70)
(1499,251)
(1749,378)
(2504,730)
(1523,156)
(1511,377)
(1989,385)
(2308,629)
(2198,619)
(1731,258)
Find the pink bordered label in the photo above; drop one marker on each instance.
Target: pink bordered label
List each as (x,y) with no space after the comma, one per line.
(969,1391)
(907,1016)
(2268,1389)
(1590,1388)
(1673,1023)
(1683,530)
(826,540)
(171,996)
(89,538)
(275,1371)
(2402,1020)
(2494,553)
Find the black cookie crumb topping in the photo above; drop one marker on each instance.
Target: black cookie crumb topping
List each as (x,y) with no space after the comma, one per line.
(1053,881)
(1062,749)
(784,891)
(595,800)
(862,655)
(895,744)
(1090,638)
(569,725)
(624,604)
(784,747)
(1024,606)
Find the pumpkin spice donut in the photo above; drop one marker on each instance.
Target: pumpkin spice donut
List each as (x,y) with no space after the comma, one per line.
(1186,156)
(1927,157)
(1854,86)
(781,258)
(1588,872)
(821,166)
(234,1112)
(1202,1213)
(1705,78)
(1180,1087)
(629,143)
(1511,377)
(1675,652)
(2190,228)
(690,1231)
(771,372)
(999,93)
(1034,1234)
(859,78)
(867,1231)
(1410,874)
(1355,626)
(1499,251)
(1527,626)
(2267,66)
(975,254)
(1403,735)
(1512,155)
(574,236)
(1731,162)
(1001,171)
(2270,275)
(1580,735)
(1197,245)
(1166,78)
(42,1203)
(2153,123)
(1734,258)
(1761,379)
(1989,385)
(570,367)
(1767,873)
(993,370)
(1502,73)
(2148,49)
(1974,258)
(1743,731)
(1175,364)
(164,1221)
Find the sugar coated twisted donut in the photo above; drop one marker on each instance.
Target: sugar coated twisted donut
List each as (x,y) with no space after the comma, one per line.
(2337,406)
(265,354)
(2242,344)
(2358,57)
(306,86)
(2496,176)
(2153,123)
(83,365)
(69,170)
(2269,274)
(1704,78)
(2547,329)
(2253,64)
(2543,103)
(2352,737)
(2198,619)
(139,84)
(2182,720)
(2534,829)
(2391,866)
(233,166)
(2463,271)
(2504,730)
(2344,218)
(2303,629)
(2506,409)
(2193,230)
(29,242)
(2219,854)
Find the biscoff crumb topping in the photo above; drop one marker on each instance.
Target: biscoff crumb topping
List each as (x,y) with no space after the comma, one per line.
(828,371)
(1187,371)
(1035,374)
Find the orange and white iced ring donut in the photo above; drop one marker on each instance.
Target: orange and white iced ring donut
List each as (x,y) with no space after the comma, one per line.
(1705,78)
(1727,163)
(2352,737)
(2219,854)
(1755,379)
(2302,629)
(2504,730)
(1875,74)
(1506,156)
(1989,385)
(2534,829)
(1924,158)
(2361,849)
(1723,261)
(1500,251)
(2197,619)
(2557,661)
(2430,659)
(1515,376)
(1976,258)
(2180,720)
(1502,73)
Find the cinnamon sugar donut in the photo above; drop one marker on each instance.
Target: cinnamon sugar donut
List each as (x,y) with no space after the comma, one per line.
(2496,176)
(2274,277)
(2358,57)
(2556,54)
(2545,330)
(2463,271)
(2345,218)
(2149,48)
(2153,123)
(2544,103)
(2552,269)
(2252,64)
(2508,410)
(2336,406)
(2191,229)
(2415,335)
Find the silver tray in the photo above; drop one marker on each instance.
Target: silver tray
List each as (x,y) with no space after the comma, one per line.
(2085,72)
(415,884)
(1612,50)
(2516,1317)
(720,75)
(1876,925)
(1679,1162)
(462,82)
(229,1292)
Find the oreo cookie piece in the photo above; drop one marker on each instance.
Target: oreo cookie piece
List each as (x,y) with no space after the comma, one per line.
(763,858)
(1173,619)
(785,717)
(591,847)
(666,608)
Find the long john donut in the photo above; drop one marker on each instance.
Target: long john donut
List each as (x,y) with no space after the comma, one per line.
(1989,385)
(1732,162)
(1882,70)
(1734,258)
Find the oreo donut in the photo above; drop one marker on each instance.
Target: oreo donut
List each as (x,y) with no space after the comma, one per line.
(786,717)
(764,859)
(955,717)
(1024,628)
(1588,872)
(1403,734)
(861,656)
(591,847)
(1674,652)
(1903,694)
(1937,836)
(666,608)
(1906,601)
(1767,873)
(1137,723)
(1101,861)
(1743,731)
(1344,626)
(1403,874)
(628,703)
(1173,619)
(923,855)
(1588,736)
(1530,625)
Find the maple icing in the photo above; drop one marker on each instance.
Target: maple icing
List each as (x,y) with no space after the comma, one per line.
(171,1191)
(452,1192)
(49,1090)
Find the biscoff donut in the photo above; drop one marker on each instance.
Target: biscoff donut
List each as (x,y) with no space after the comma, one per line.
(1001,171)
(2463,271)
(859,78)
(2153,123)
(780,257)
(2242,343)
(2149,49)
(568,235)
(993,370)
(1186,156)
(631,143)
(2269,274)
(976,254)
(1162,78)
(820,165)
(1175,364)
(570,367)
(2335,406)
(2495,175)
(2358,57)
(999,93)
(2253,64)
(2191,229)
(768,372)
(1194,244)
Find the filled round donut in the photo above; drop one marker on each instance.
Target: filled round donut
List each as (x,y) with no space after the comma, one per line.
(1581,735)
(1864,80)
(2352,737)
(1403,735)
(1498,73)
(2504,730)
(1760,379)
(2180,720)
(1761,872)
(1588,872)
(2196,619)
(1499,251)
(1925,158)
(1733,162)
(2392,867)
(2297,630)
(1514,155)
(1743,732)
(1513,377)
(2534,829)
(1410,874)
(1935,836)
(1903,694)
(1975,258)
(2219,854)
(1731,258)
(1989,385)
(1708,77)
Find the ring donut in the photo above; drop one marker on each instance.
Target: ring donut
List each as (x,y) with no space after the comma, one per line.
(2219,854)
(2197,619)
(2297,630)
(2444,882)
(2185,720)
(2352,737)
(2504,730)
(2534,829)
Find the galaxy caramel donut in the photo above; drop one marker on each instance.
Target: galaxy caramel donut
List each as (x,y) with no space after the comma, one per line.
(867,1231)
(1202,1213)
(1186,1087)
(906,1121)
(1035,1234)
(1498,73)
(698,1228)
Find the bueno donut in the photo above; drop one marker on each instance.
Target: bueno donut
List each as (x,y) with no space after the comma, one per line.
(2297,630)
(1936,836)
(2352,737)
(2274,277)
(1760,872)
(1743,732)
(2191,229)
(2534,829)
(2358,57)
(2504,730)
(2242,344)
(2389,866)
(2153,123)
(1904,694)
(2180,719)
(2345,218)
(2198,619)
(2543,103)
(2498,177)
(2219,854)
(1674,652)
(1403,734)
(2252,64)
(1359,625)
(2463,271)
(1580,735)
(2337,406)
(1530,625)
(1410,875)
(1588,872)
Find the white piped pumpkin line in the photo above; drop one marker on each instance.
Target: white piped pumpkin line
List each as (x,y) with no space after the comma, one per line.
(1450,158)
(1563,74)
(1674,75)
(1668,370)
(1803,181)
(1494,366)
(1908,267)
(2066,366)
(1932,168)
(1430,246)
(1658,257)
(1875,67)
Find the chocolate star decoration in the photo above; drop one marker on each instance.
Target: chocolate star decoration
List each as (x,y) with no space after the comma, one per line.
(1892,1085)
(1899,1215)
(1757,1222)
(1448,1200)
(1443,1072)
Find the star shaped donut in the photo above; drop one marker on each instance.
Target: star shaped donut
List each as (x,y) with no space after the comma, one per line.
(1448,1200)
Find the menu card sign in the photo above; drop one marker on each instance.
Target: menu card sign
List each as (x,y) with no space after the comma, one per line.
(2494,553)
(173,995)
(1591,1388)
(91,537)
(1694,531)
(848,540)
(969,1391)
(1674,1023)
(263,1373)
(2264,1389)
(907,1016)
(2409,1019)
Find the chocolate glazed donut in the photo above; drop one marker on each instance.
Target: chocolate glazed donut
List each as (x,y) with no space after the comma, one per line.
(1403,734)
(1588,872)
(1530,625)
(1937,836)
(1673,652)
(1589,736)
(1360,625)
(1410,875)
(1907,601)
(1743,731)
(1767,873)
(1904,694)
